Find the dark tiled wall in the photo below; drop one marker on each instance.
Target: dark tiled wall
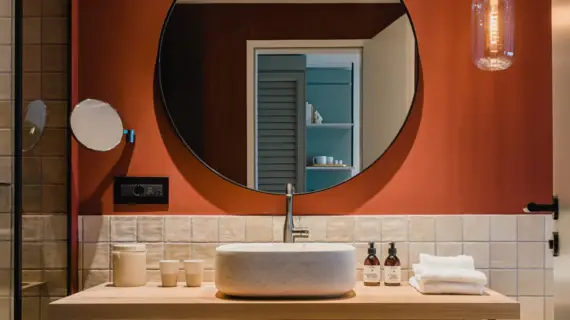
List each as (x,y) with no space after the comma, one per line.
(5,153)
(45,67)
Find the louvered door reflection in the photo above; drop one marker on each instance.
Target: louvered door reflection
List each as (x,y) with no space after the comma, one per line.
(280,131)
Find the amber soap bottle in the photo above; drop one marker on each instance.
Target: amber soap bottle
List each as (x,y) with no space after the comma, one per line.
(371,272)
(392,268)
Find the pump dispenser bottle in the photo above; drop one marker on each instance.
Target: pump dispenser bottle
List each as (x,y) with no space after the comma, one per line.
(392,268)
(371,273)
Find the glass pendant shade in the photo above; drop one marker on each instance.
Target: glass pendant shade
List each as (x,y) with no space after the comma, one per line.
(493,28)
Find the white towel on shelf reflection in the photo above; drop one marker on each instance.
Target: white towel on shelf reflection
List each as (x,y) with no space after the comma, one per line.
(433,274)
(447,287)
(460,262)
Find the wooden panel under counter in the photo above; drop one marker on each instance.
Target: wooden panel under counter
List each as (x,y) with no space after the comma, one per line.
(364,303)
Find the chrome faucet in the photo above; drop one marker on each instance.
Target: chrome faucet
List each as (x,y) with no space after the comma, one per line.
(290,232)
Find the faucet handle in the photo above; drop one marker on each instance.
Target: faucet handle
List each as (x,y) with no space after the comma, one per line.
(301,232)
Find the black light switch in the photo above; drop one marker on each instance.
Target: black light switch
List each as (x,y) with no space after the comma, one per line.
(140,190)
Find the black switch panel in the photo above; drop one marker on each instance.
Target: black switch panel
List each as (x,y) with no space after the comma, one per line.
(140,190)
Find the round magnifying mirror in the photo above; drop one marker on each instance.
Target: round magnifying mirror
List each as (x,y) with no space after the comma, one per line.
(33,125)
(264,100)
(96,125)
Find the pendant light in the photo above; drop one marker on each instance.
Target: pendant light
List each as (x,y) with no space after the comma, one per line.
(493,34)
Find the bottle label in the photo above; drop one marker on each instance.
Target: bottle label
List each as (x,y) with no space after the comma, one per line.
(392,275)
(371,274)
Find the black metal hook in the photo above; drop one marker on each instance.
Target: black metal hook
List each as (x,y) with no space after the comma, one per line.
(536,207)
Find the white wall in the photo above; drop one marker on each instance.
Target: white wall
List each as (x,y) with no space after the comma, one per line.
(388,87)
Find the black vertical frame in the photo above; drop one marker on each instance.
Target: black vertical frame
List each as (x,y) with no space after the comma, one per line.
(17,159)
(68,180)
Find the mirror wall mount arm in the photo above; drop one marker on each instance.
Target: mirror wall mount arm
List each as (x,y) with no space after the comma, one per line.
(130,135)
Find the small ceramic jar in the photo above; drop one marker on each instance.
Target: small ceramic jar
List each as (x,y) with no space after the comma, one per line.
(129,265)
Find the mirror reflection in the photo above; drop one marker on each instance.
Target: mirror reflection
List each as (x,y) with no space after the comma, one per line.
(267,94)
(34,123)
(96,125)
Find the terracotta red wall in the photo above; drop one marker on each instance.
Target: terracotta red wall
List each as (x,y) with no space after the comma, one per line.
(476,142)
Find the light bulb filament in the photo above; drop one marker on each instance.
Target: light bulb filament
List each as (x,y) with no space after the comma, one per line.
(494,29)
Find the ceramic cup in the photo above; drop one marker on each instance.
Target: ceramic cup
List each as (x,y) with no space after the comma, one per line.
(194,270)
(330,160)
(337,162)
(320,160)
(169,272)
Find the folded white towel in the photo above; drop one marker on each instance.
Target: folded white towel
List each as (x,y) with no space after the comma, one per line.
(461,262)
(447,287)
(432,274)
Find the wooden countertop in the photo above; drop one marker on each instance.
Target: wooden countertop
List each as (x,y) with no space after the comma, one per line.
(364,303)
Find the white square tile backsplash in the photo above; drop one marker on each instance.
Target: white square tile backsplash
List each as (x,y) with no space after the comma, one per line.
(530,227)
(154,253)
(448,228)
(177,251)
(548,228)
(504,228)
(548,282)
(206,252)
(548,258)
(480,251)
(96,255)
(204,229)
(124,229)
(279,227)
(96,228)
(530,254)
(150,229)
(367,229)
(422,228)
(504,281)
(395,229)
(476,228)
(232,229)
(340,229)
(503,254)
(258,229)
(415,248)
(531,282)
(511,249)
(177,229)
(448,249)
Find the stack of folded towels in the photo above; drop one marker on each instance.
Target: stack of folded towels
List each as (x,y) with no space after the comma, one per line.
(447,275)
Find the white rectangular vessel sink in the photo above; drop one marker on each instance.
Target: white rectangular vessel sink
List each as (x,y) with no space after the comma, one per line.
(285,269)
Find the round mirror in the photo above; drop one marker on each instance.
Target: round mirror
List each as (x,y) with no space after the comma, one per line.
(96,125)
(34,123)
(267,94)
